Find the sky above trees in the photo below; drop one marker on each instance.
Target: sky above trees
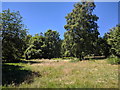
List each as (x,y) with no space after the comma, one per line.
(41,16)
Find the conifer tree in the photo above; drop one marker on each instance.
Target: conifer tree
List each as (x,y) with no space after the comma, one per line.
(82,30)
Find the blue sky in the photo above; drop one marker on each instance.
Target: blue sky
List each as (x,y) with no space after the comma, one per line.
(41,16)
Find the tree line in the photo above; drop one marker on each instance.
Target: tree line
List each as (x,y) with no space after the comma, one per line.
(80,39)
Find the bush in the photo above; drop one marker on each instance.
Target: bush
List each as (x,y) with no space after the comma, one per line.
(113,60)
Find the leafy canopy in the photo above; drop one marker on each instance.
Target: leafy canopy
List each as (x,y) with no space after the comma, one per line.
(13,35)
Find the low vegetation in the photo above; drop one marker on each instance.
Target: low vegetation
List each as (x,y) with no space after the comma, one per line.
(113,60)
(60,74)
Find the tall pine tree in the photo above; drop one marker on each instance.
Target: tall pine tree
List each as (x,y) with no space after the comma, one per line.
(81,30)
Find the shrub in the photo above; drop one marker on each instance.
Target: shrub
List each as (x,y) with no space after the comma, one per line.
(113,60)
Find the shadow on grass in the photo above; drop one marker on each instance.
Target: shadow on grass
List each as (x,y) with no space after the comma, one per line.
(96,58)
(31,62)
(21,61)
(12,74)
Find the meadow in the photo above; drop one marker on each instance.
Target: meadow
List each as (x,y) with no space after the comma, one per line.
(45,73)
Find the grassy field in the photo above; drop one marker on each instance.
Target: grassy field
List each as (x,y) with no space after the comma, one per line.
(60,74)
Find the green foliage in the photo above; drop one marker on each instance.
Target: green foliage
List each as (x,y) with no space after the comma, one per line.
(36,48)
(101,47)
(52,43)
(80,39)
(13,35)
(114,40)
(113,60)
(27,40)
(81,31)
(44,46)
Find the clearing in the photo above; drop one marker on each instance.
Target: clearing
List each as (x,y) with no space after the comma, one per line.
(60,74)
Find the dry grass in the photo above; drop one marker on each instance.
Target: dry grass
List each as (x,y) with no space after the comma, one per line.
(65,74)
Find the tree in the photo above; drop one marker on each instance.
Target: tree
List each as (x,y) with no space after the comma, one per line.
(114,40)
(27,40)
(36,47)
(45,45)
(106,47)
(81,30)
(13,35)
(53,43)
(101,48)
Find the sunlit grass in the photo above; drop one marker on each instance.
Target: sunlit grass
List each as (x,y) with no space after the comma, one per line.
(65,74)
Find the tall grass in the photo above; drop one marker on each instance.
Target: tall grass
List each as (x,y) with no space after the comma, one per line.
(64,74)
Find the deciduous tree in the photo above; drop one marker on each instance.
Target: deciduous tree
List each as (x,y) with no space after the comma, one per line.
(114,40)
(13,35)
